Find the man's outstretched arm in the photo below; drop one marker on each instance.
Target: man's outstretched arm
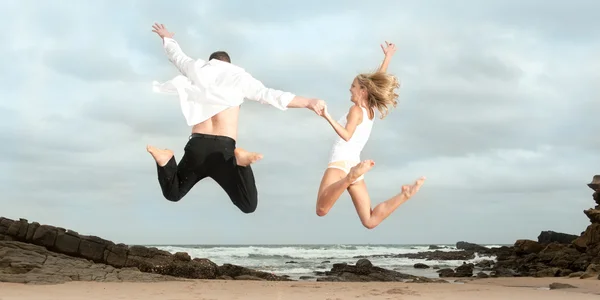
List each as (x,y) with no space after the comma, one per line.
(255,90)
(184,63)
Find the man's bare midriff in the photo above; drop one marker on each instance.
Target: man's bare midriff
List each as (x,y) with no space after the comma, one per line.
(224,123)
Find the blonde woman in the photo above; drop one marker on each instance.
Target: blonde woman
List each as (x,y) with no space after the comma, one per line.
(345,171)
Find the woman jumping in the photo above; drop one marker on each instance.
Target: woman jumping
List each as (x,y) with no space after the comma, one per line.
(345,170)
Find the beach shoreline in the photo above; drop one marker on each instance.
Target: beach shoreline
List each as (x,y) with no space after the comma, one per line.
(515,288)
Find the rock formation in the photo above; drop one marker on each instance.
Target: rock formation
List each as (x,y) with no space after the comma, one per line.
(31,252)
(364,271)
(547,237)
(28,263)
(552,255)
(589,241)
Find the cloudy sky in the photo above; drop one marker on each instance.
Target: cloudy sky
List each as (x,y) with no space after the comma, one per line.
(496,108)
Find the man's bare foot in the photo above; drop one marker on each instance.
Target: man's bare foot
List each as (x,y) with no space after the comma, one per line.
(360,169)
(161,156)
(245,158)
(410,190)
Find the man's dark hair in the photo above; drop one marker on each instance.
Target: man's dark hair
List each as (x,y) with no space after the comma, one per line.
(220,55)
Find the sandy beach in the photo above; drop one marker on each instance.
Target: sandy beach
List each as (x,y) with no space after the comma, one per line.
(497,288)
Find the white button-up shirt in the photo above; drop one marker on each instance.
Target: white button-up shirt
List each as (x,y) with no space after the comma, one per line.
(206,88)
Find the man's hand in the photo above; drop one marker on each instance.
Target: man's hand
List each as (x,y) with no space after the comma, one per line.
(389,49)
(162,31)
(318,106)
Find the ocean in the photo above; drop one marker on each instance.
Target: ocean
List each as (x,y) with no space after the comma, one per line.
(302,260)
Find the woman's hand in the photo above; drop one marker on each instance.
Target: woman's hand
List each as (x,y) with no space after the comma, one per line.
(389,49)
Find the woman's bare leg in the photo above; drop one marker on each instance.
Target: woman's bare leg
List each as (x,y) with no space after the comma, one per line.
(370,218)
(335,182)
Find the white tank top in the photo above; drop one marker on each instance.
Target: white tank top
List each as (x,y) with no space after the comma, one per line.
(351,149)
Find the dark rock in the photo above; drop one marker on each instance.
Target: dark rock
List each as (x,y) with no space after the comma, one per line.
(22,232)
(547,237)
(485,264)
(482,275)
(421,266)
(196,269)
(527,247)
(235,271)
(364,264)
(13,229)
(465,270)
(593,215)
(44,235)
(558,285)
(67,243)
(4,225)
(91,249)
(470,247)
(446,272)
(576,274)
(364,271)
(116,255)
(182,256)
(593,270)
(31,231)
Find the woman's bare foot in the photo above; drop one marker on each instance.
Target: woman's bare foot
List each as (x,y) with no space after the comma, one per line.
(245,158)
(410,190)
(360,169)
(161,156)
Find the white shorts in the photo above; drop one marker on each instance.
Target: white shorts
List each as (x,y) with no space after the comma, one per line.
(346,165)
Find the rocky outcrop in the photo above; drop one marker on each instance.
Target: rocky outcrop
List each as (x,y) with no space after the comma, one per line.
(548,237)
(28,263)
(104,254)
(465,270)
(589,241)
(556,254)
(470,247)
(364,271)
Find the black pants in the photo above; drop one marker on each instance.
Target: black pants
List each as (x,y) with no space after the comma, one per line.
(209,156)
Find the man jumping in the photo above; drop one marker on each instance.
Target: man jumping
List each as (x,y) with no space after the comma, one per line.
(210,94)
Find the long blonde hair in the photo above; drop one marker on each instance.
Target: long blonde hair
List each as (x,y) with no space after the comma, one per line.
(380,88)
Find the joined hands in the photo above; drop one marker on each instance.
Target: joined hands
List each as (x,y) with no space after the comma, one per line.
(318,106)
